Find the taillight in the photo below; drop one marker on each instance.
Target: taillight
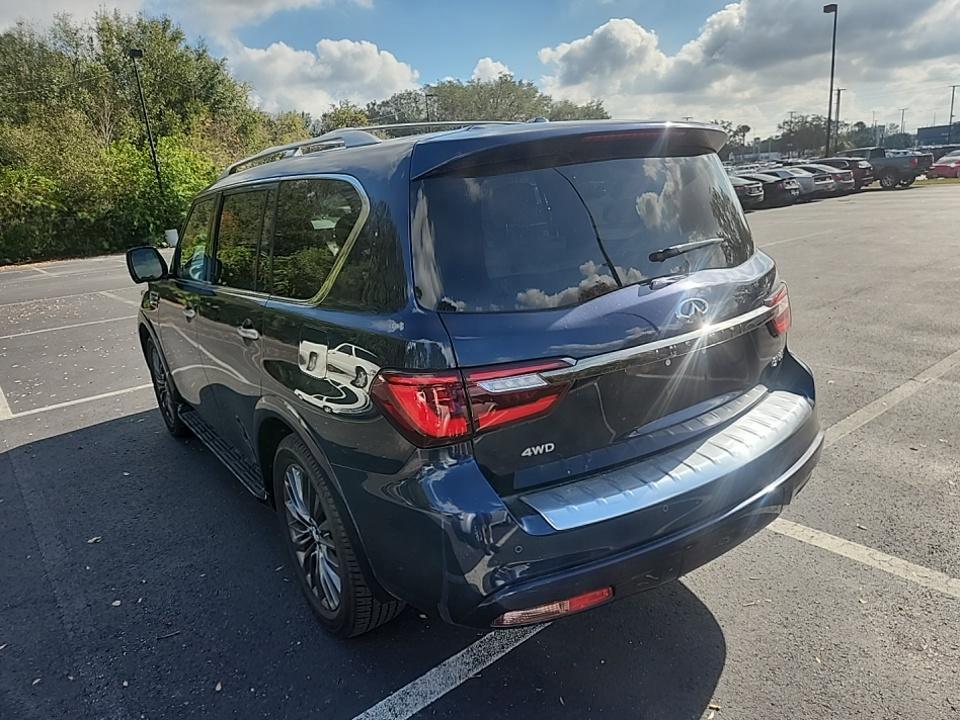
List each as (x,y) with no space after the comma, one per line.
(428,408)
(440,408)
(550,611)
(913,162)
(781,318)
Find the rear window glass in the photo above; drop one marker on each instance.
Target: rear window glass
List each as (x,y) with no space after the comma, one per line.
(555,237)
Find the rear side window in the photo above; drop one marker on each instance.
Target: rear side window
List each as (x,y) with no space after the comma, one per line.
(559,236)
(193,248)
(314,219)
(239,236)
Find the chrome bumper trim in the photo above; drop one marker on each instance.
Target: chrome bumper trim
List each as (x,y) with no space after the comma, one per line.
(677,471)
(676,346)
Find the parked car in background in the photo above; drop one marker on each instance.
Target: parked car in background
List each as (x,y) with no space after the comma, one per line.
(749,192)
(808,186)
(891,169)
(842,179)
(946,167)
(486,371)
(862,169)
(776,190)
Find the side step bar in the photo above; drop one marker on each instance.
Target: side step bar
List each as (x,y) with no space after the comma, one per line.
(246,472)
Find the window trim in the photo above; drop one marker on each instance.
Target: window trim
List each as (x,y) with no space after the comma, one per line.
(267,208)
(344,253)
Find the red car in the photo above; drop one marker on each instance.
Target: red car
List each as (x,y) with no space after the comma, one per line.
(946,167)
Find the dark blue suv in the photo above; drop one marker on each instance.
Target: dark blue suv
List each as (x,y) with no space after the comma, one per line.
(503,372)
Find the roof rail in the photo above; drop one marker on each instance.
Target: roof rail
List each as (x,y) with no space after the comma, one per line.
(346,138)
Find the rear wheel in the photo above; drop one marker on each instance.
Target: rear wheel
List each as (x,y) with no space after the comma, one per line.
(321,551)
(167,398)
(907,182)
(889,179)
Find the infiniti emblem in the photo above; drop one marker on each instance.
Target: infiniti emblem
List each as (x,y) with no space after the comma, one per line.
(692,310)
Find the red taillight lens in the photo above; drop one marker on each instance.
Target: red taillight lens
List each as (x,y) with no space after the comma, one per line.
(428,408)
(504,395)
(913,162)
(440,408)
(780,320)
(549,611)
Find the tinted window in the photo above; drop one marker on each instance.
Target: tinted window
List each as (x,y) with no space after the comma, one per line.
(192,250)
(238,238)
(313,221)
(555,237)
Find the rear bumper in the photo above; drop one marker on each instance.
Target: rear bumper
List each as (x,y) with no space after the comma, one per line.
(439,537)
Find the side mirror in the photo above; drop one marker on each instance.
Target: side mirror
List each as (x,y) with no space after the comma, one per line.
(172,237)
(145,264)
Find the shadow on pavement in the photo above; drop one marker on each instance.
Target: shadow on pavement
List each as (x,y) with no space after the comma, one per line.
(188,588)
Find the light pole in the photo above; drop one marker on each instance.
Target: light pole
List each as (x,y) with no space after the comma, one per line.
(953,92)
(134,54)
(831,8)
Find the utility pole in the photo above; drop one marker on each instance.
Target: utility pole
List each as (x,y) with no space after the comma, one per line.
(828,9)
(953,92)
(839,90)
(903,114)
(134,54)
(875,135)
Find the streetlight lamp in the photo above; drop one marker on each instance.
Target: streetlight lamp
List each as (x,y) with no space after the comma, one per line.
(831,8)
(135,54)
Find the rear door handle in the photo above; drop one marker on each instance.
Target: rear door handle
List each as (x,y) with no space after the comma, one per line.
(189,313)
(247,331)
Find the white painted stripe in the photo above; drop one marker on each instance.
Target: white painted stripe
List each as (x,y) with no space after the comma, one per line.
(112,296)
(65,327)
(59,297)
(78,401)
(875,409)
(449,674)
(925,577)
(791,239)
(5,412)
(40,270)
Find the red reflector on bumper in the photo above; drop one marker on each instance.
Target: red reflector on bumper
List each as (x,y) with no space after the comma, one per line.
(550,611)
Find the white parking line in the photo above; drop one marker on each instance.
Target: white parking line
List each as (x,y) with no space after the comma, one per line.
(917,574)
(5,412)
(64,327)
(449,674)
(69,403)
(453,672)
(112,296)
(61,297)
(791,239)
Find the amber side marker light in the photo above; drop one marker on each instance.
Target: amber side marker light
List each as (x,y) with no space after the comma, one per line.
(551,611)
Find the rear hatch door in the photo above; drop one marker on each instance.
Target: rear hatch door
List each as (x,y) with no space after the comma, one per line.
(603,278)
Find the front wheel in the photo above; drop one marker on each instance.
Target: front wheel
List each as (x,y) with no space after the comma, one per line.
(167,399)
(889,180)
(321,551)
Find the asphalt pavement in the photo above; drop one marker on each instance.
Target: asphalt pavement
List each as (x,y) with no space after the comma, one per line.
(138,579)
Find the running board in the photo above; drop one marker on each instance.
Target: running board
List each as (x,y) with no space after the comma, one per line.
(247,473)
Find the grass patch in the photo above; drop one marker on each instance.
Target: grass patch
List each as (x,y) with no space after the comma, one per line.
(938,181)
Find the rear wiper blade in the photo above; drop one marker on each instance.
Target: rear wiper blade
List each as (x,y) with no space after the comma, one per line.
(674,250)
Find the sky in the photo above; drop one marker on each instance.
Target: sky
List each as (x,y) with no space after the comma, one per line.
(751,61)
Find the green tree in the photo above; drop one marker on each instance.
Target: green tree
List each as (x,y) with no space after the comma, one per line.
(343,114)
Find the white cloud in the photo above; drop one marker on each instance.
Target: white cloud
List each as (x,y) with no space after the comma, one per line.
(218,18)
(42,11)
(755,60)
(488,69)
(284,78)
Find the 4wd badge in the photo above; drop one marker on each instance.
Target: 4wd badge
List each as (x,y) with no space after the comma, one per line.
(539,450)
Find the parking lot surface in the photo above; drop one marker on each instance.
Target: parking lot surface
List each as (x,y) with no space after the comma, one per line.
(138,579)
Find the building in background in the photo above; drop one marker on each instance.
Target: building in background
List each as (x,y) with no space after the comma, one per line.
(938,134)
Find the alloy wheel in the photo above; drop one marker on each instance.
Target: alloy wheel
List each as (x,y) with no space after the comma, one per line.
(161,387)
(312,538)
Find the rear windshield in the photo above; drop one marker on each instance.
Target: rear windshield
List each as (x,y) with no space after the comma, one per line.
(559,236)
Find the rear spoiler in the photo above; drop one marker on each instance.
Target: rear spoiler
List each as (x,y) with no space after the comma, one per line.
(485,150)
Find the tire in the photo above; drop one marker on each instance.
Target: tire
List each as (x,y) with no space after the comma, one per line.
(908,182)
(889,179)
(323,556)
(168,399)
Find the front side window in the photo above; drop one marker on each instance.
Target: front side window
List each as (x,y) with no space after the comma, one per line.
(313,222)
(193,248)
(559,236)
(238,238)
